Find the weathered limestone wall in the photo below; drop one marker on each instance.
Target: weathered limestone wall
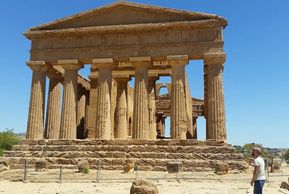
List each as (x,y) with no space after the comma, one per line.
(148,154)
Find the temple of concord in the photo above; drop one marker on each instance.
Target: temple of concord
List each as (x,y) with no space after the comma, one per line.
(121,41)
(117,114)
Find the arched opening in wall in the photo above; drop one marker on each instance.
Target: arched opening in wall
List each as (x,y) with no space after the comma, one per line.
(163,91)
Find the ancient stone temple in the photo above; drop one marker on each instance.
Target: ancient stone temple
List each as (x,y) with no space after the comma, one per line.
(119,42)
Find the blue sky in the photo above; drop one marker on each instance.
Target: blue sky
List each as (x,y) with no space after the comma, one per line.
(256,75)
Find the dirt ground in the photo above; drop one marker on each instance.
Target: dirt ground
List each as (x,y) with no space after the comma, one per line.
(114,182)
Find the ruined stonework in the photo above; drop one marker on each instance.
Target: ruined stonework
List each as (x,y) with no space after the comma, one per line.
(114,154)
(119,42)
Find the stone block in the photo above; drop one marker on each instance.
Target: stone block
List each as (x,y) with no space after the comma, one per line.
(128,167)
(143,187)
(40,165)
(174,167)
(83,165)
(4,165)
(221,168)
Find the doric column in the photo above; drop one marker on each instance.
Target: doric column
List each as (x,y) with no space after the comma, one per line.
(152,107)
(195,129)
(216,122)
(81,111)
(178,98)
(140,107)
(91,123)
(68,113)
(113,100)
(103,110)
(35,124)
(206,96)
(161,125)
(53,107)
(121,118)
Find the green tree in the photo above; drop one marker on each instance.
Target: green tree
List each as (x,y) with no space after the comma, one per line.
(7,140)
(246,150)
(285,156)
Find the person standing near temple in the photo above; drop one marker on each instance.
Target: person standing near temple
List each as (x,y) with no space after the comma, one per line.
(258,179)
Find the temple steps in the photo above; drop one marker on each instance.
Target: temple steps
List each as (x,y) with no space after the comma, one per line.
(149,155)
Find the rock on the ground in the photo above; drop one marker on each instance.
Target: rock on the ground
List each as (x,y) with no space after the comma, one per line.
(83,164)
(143,187)
(3,166)
(221,168)
(284,185)
(129,167)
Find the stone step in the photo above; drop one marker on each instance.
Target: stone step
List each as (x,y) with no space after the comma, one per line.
(116,154)
(164,142)
(149,155)
(128,148)
(117,163)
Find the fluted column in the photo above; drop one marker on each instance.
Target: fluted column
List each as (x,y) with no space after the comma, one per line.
(53,108)
(216,122)
(152,107)
(161,125)
(68,113)
(91,123)
(103,110)
(178,98)
(80,116)
(195,129)
(121,118)
(35,124)
(140,107)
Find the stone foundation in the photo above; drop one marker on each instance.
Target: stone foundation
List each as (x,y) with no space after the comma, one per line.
(113,154)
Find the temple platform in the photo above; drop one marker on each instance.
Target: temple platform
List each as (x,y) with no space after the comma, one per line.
(113,154)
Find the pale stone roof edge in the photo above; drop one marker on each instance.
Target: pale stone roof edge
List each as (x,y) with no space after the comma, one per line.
(125,27)
(156,8)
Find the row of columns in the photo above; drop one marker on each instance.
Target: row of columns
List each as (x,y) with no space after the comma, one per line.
(58,125)
(144,109)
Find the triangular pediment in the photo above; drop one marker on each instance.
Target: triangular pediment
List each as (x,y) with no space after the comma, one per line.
(125,13)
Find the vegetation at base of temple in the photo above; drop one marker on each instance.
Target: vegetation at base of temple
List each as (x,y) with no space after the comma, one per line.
(85,170)
(285,156)
(246,150)
(7,139)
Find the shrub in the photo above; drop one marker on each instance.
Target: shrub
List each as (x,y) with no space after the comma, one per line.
(85,170)
(1,152)
(7,140)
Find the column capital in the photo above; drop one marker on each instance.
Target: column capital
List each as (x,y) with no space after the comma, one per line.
(121,77)
(153,76)
(54,74)
(141,61)
(214,58)
(102,63)
(70,64)
(37,65)
(174,60)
